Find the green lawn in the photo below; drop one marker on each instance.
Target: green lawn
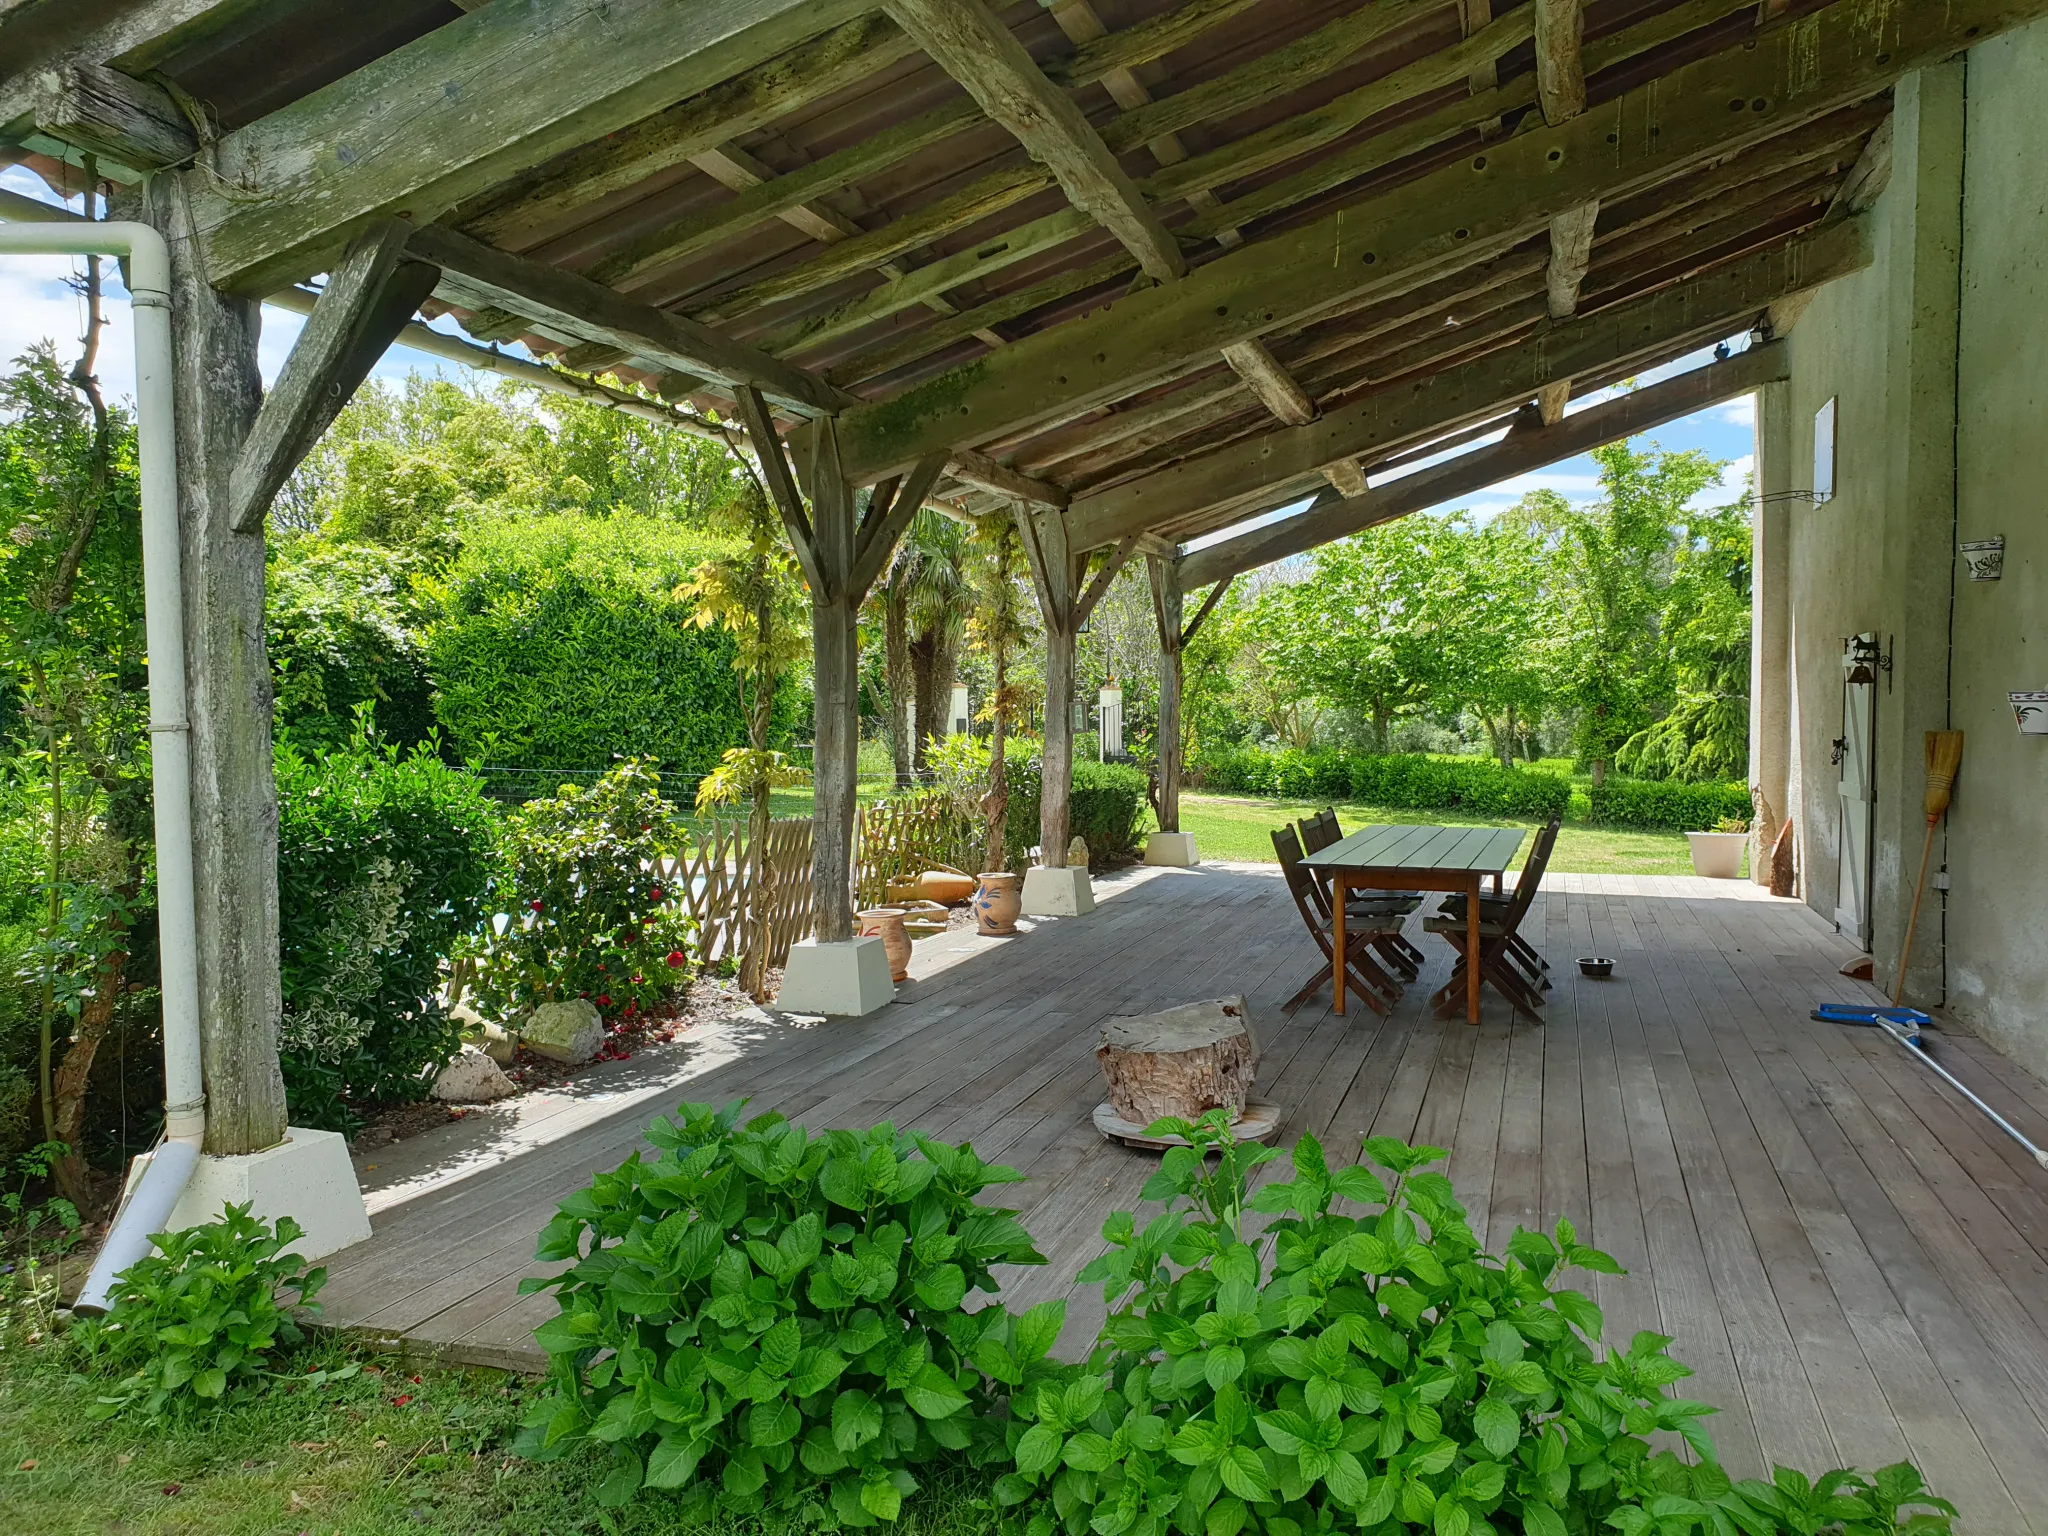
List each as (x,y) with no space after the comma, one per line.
(1233,827)
(400,1448)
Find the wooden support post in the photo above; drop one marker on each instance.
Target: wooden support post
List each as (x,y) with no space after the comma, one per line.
(1166,609)
(840,559)
(216,393)
(1057,572)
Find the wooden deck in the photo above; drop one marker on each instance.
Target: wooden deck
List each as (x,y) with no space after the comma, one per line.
(1851,1259)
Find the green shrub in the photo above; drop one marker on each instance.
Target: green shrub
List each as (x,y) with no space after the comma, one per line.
(565,643)
(344,630)
(773,1319)
(1349,1373)
(1683,807)
(582,912)
(1107,806)
(196,1321)
(383,861)
(1403,781)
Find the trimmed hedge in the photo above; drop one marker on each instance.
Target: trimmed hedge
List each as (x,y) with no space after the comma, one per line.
(1402,781)
(1107,807)
(1625,802)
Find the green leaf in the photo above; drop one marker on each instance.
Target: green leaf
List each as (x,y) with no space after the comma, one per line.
(1223,1365)
(1542,1520)
(1245,1475)
(1087,1452)
(881,1498)
(1226,1517)
(1453,1517)
(673,1460)
(623,1481)
(1039,1450)
(933,1394)
(816,1370)
(856,1419)
(773,1423)
(944,1288)
(780,1347)
(1039,1329)
(1359,1184)
(210,1383)
(1498,1426)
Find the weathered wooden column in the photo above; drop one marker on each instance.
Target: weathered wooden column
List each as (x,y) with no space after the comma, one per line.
(1166,609)
(841,555)
(1169,845)
(1057,574)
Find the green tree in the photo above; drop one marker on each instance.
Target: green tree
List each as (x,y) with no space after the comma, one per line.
(1000,627)
(1705,629)
(756,595)
(1360,631)
(922,627)
(72,657)
(1490,626)
(1613,564)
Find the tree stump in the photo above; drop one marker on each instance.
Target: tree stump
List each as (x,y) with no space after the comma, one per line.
(1182,1062)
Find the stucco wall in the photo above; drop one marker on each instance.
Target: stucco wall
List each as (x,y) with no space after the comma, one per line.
(1938,358)
(1998,832)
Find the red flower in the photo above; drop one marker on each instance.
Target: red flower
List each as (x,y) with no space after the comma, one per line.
(604,1000)
(655,893)
(639,981)
(534,904)
(677,959)
(401,1400)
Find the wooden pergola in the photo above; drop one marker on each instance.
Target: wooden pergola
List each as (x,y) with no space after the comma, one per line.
(1135,270)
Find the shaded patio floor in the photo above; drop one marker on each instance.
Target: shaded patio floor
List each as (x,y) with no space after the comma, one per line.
(1854,1262)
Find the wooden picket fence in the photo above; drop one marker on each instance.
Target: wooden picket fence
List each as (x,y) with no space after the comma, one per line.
(715,882)
(893,839)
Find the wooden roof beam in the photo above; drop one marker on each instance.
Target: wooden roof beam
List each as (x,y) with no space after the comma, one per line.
(134,38)
(463,108)
(1715,303)
(130,127)
(597,313)
(984,56)
(1461,213)
(1517,454)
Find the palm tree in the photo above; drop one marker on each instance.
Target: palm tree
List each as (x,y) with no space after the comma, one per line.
(924,620)
(1000,624)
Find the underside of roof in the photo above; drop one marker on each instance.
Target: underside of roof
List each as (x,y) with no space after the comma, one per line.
(1159,263)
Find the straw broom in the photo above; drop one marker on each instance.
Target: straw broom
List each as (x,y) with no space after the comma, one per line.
(1944,756)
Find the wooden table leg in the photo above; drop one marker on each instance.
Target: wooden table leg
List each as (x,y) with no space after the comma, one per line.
(1472,953)
(1340,886)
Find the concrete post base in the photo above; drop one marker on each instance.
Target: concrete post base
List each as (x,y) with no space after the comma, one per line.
(1176,850)
(1057,892)
(846,980)
(307,1177)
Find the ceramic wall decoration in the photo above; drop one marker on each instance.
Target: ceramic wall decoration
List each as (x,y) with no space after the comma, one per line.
(998,903)
(2030,711)
(1985,558)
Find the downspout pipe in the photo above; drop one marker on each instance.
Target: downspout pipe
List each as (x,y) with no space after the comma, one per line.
(147,1209)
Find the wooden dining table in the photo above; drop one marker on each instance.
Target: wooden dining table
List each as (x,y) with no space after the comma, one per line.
(1399,858)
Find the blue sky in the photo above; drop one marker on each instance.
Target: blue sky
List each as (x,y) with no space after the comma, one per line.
(35,302)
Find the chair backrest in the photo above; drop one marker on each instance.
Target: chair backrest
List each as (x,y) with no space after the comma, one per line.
(1320,830)
(1301,882)
(1531,877)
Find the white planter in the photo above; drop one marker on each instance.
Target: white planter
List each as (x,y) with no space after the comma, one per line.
(1717,855)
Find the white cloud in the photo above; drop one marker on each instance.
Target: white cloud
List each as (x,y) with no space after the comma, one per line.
(1739,412)
(1730,487)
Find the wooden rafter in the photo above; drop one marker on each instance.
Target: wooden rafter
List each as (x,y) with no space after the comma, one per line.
(133,38)
(129,125)
(463,107)
(1713,304)
(984,56)
(602,315)
(1460,213)
(1519,453)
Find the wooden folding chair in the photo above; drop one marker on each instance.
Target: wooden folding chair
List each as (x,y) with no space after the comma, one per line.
(1520,952)
(1496,933)
(1362,925)
(1319,832)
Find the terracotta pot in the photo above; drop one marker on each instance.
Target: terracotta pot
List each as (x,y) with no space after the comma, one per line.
(946,886)
(887,923)
(998,902)
(903,893)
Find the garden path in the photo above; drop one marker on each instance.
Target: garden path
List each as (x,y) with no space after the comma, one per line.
(1855,1263)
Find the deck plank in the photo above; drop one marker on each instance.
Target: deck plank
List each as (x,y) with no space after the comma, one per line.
(1854,1263)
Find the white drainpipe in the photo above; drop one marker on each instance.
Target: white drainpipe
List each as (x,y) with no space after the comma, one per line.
(147,1208)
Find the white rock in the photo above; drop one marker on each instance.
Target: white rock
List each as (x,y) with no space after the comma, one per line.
(568,1031)
(501,1047)
(472,1078)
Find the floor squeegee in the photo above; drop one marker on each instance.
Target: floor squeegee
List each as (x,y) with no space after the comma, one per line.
(1904,1025)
